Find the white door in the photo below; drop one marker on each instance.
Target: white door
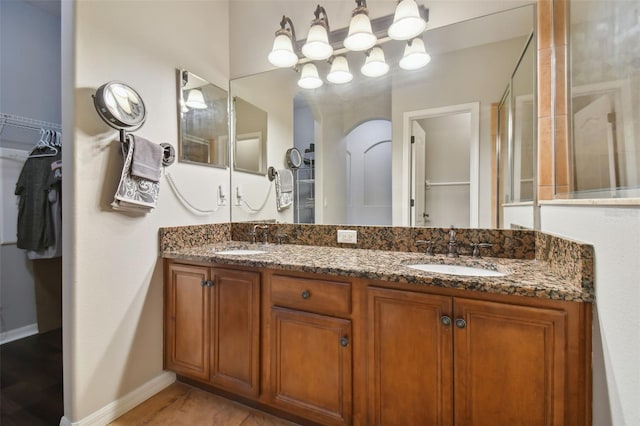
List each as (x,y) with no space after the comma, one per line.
(594,146)
(419,216)
(451,166)
(369,173)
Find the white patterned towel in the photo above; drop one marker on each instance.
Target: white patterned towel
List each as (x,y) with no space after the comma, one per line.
(134,193)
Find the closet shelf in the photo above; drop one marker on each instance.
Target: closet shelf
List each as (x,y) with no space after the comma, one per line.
(26,122)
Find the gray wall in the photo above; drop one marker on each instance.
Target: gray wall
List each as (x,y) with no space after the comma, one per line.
(29,87)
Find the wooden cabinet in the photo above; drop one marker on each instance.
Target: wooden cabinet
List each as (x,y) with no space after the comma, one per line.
(212,326)
(410,358)
(187,321)
(341,351)
(310,353)
(441,360)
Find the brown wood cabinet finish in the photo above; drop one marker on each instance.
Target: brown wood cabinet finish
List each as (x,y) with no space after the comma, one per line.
(362,352)
(449,360)
(212,326)
(187,321)
(311,365)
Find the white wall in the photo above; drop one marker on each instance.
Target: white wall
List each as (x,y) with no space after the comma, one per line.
(614,232)
(29,87)
(112,273)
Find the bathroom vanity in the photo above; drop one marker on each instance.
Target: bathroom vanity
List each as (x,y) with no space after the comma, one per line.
(339,336)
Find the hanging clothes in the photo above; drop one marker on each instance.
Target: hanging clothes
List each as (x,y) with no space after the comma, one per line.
(39,191)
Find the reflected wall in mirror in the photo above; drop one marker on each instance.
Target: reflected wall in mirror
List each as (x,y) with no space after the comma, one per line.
(249,152)
(516,130)
(363,170)
(203,130)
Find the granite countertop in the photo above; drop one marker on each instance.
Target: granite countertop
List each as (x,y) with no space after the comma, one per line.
(523,277)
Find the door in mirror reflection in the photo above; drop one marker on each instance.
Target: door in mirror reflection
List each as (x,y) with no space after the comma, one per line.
(251,137)
(203,121)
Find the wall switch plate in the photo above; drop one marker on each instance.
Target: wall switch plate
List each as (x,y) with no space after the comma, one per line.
(346,236)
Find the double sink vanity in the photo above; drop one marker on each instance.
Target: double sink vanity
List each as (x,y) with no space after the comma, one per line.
(382,333)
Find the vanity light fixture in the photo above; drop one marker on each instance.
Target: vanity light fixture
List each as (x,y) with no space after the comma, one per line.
(195,99)
(374,64)
(282,54)
(339,73)
(363,34)
(407,22)
(360,36)
(309,78)
(317,46)
(415,55)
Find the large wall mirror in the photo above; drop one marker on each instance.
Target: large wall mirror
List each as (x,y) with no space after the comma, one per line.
(360,165)
(203,118)
(249,148)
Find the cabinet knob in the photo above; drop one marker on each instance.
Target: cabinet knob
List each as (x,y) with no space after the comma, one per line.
(445,320)
(460,323)
(306,294)
(203,283)
(210,283)
(344,341)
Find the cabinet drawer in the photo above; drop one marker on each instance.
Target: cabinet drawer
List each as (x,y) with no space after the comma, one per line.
(321,296)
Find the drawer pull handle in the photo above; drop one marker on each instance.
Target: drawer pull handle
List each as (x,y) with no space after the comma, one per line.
(445,320)
(460,323)
(344,342)
(306,294)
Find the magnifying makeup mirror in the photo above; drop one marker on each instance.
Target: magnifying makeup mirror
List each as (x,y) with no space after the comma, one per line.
(120,106)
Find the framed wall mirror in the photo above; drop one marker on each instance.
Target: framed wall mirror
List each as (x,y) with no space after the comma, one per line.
(364,169)
(249,153)
(203,121)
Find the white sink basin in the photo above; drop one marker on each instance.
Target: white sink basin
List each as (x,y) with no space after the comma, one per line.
(240,252)
(456,270)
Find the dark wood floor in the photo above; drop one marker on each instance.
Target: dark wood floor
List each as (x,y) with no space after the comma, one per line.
(31,380)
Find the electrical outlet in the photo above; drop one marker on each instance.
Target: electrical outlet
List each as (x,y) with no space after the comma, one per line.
(348,237)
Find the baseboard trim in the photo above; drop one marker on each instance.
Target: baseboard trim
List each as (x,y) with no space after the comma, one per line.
(112,411)
(18,333)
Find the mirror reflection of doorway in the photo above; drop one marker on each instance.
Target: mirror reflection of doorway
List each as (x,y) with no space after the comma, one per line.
(444,166)
(369,173)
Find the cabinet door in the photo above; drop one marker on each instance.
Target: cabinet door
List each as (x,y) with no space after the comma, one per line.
(410,364)
(187,321)
(311,365)
(235,310)
(509,364)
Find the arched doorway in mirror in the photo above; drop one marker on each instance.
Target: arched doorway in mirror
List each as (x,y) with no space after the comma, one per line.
(368,163)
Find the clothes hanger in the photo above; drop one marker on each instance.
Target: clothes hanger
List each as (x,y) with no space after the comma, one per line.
(44,143)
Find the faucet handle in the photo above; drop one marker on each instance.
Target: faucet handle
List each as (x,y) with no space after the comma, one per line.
(429,244)
(252,234)
(280,237)
(477,246)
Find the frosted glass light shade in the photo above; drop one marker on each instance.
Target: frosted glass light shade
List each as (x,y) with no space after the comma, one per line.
(309,78)
(375,65)
(195,100)
(317,46)
(415,56)
(407,22)
(339,73)
(360,36)
(282,54)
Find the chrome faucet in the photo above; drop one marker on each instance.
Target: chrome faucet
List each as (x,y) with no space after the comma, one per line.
(453,243)
(429,249)
(265,233)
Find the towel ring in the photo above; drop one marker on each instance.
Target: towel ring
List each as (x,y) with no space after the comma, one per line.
(271,173)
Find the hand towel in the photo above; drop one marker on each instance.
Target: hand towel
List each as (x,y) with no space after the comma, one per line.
(147,159)
(284,188)
(134,193)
